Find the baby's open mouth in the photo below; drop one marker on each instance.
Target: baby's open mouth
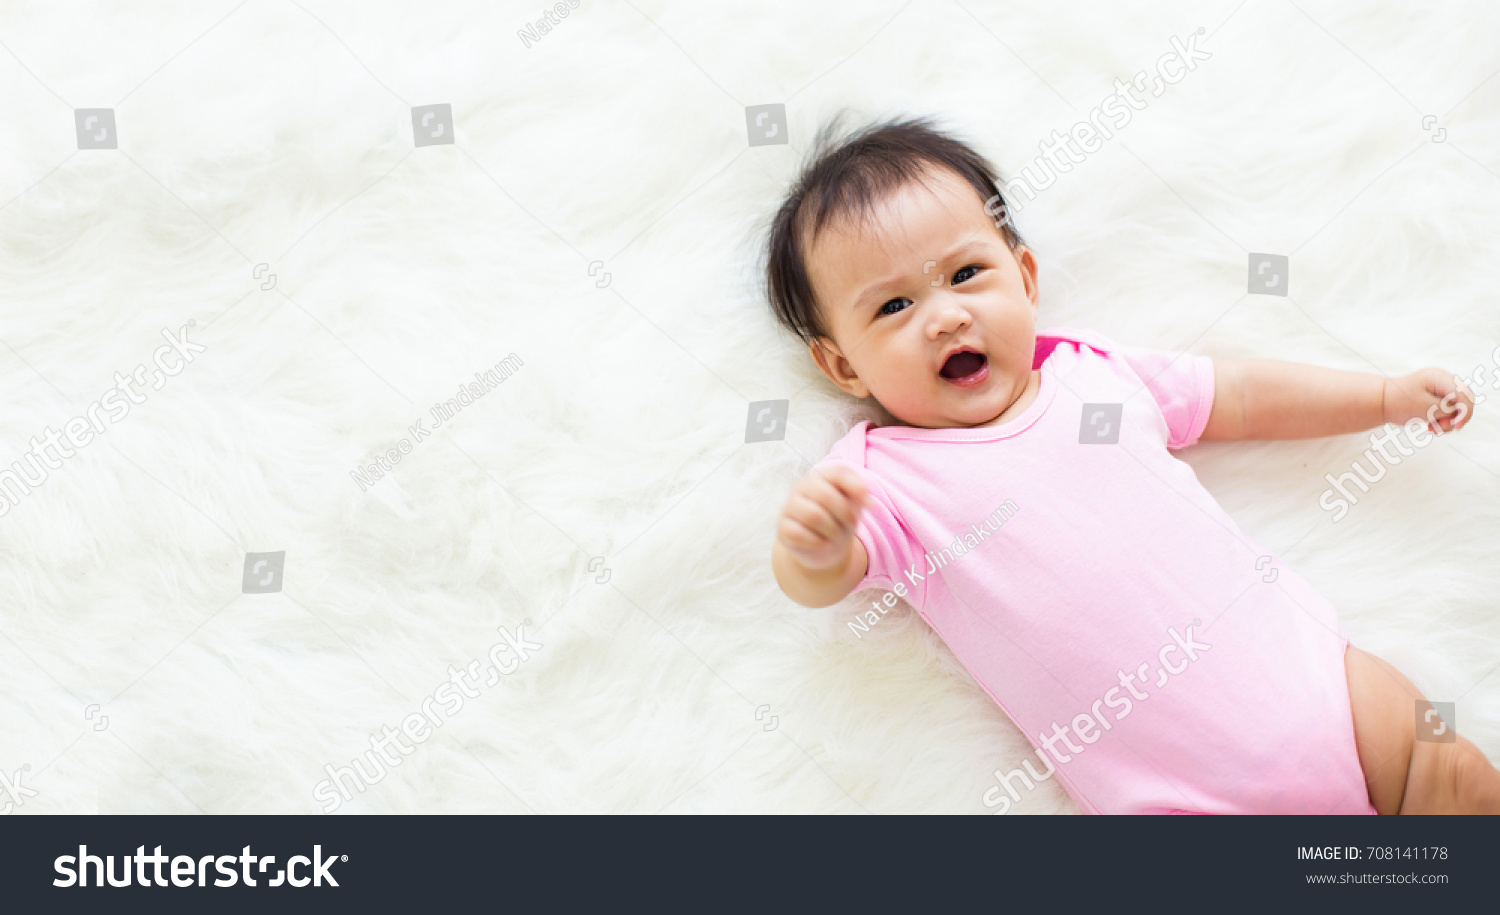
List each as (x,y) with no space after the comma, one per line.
(964,367)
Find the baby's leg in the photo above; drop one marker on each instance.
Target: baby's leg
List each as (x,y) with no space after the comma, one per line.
(1404,774)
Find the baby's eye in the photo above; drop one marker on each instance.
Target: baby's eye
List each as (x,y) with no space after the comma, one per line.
(965,273)
(884,309)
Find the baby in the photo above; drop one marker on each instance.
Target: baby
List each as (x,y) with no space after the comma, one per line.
(1044,454)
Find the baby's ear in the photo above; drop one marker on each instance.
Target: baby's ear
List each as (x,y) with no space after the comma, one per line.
(826,354)
(1026,261)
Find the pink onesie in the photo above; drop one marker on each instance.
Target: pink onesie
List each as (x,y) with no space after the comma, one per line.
(1167,662)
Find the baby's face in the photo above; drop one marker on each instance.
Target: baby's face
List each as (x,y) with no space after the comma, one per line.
(931,277)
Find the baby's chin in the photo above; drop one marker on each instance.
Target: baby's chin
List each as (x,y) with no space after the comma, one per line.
(936,415)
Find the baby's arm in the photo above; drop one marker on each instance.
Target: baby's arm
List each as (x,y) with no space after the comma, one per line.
(816,558)
(1271,399)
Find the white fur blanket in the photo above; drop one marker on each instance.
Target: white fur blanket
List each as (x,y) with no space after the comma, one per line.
(593,207)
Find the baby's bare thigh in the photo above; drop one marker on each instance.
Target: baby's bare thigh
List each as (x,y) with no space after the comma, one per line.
(1383,703)
(1404,774)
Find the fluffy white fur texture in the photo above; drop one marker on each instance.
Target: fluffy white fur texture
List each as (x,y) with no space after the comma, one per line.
(280,132)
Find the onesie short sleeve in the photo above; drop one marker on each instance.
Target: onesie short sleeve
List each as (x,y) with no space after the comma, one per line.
(1182,385)
(890,546)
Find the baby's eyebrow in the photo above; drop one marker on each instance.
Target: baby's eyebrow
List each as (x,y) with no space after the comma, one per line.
(869,292)
(967,246)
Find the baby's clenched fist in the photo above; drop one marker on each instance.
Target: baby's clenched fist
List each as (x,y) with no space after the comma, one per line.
(817,523)
(1431,394)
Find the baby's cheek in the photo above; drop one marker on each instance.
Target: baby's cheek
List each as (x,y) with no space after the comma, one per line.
(907,396)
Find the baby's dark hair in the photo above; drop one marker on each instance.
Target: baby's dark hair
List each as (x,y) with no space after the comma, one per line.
(850,179)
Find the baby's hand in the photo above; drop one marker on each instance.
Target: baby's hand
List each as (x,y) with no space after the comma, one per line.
(1431,394)
(817,523)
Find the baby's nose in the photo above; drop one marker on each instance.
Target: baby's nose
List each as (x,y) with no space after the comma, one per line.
(948,312)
